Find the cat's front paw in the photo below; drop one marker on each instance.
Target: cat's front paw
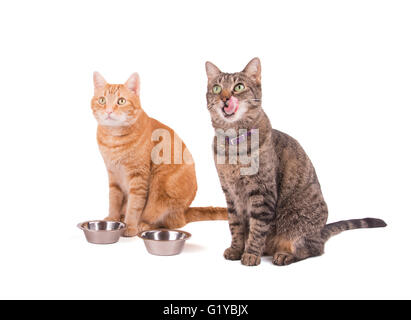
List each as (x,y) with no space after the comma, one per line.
(130,231)
(232,254)
(109,218)
(249,259)
(142,226)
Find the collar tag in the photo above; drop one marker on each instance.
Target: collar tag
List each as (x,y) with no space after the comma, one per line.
(241,138)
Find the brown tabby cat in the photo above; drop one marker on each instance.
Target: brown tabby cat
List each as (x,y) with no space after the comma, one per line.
(278,210)
(143,193)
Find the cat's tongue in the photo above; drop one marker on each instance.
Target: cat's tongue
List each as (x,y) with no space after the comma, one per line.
(232,106)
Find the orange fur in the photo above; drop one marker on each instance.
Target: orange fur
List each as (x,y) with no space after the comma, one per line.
(148,195)
(280,244)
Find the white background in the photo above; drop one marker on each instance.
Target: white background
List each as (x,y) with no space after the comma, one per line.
(336,76)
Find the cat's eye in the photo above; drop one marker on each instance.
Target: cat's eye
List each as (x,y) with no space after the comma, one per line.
(102,100)
(121,101)
(217,89)
(239,87)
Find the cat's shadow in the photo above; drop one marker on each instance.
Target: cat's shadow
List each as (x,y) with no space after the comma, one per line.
(193,248)
(188,247)
(129,239)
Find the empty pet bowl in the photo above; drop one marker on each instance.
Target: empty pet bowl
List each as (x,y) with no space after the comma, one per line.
(163,242)
(102,232)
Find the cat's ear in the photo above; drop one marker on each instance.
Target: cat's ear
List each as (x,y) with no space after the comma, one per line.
(99,81)
(133,83)
(253,69)
(212,70)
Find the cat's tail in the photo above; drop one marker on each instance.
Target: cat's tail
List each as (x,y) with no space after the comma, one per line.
(335,228)
(193,214)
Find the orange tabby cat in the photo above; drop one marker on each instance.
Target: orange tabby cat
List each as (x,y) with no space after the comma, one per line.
(144,194)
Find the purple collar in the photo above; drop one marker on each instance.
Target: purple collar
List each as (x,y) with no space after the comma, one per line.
(241,138)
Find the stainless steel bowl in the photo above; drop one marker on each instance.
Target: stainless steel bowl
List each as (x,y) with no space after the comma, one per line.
(164,242)
(102,232)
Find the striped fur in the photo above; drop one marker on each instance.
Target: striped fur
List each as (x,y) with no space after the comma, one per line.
(335,228)
(280,210)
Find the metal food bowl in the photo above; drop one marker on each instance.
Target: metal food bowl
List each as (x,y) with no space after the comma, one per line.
(102,232)
(164,242)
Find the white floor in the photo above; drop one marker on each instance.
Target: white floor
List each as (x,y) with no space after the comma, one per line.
(357,264)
